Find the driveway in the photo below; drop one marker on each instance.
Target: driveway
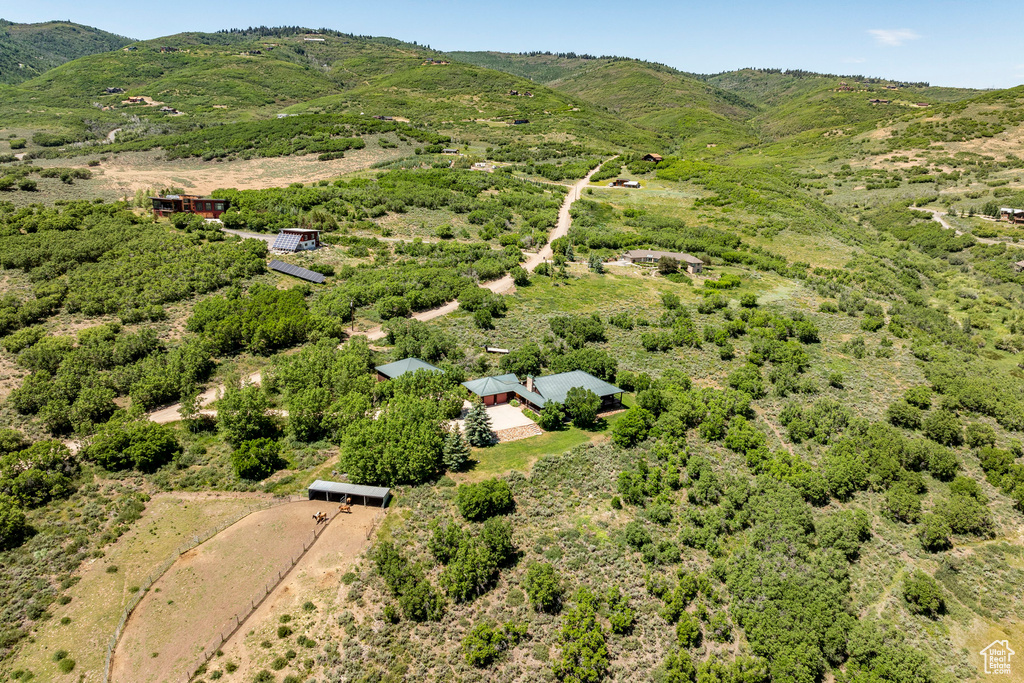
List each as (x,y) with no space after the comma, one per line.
(503,417)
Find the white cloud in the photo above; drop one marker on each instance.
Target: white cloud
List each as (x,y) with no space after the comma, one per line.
(894,37)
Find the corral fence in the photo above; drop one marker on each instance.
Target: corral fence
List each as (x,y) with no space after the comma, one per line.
(154,575)
(232,626)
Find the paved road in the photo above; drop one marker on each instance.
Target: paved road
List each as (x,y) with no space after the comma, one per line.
(499,286)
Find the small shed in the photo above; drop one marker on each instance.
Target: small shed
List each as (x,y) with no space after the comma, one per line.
(449,150)
(338,492)
(653,157)
(520,122)
(297,239)
(400,367)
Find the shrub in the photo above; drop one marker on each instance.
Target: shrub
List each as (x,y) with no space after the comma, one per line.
(485,499)
(284,631)
(486,642)
(552,417)
(943,427)
(903,414)
(257,459)
(263,676)
(632,427)
(923,594)
(66,665)
(902,504)
(979,435)
(13,527)
(688,631)
(933,532)
(543,587)
(920,396)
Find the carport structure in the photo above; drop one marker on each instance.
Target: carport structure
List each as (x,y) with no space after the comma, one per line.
(338,492)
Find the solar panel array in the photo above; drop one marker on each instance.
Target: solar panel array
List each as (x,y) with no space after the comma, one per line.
(295,271)
(286,242)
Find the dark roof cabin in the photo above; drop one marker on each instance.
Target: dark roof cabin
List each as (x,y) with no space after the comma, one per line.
(207,207)
(653,157)
(339,492)
(519,122)
(692,263)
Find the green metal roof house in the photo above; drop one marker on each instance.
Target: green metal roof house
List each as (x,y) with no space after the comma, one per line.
(400,367)
(539,390)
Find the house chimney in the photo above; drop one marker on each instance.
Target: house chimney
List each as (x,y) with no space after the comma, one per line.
(529,383)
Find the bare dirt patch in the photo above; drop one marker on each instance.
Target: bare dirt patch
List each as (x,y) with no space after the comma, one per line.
(197,596)
(123,174)
(316,579)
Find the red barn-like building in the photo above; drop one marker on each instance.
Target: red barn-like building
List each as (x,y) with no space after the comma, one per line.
(207,207)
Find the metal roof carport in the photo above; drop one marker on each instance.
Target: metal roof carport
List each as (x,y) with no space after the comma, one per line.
(337,492)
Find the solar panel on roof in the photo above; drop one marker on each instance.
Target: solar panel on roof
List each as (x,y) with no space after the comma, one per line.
(286,242)
(295,271)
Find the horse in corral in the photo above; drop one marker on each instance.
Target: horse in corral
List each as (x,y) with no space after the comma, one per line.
(320,517)
(346,506)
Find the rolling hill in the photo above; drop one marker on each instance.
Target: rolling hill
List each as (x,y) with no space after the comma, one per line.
(246,76)
(27,50)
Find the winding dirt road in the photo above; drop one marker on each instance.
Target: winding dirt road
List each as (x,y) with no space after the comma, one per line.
(938,216)
(502,285)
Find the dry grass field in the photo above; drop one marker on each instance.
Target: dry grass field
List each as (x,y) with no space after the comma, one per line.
(100,595)
(186,608)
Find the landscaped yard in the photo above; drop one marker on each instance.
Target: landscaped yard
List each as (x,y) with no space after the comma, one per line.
(520,455)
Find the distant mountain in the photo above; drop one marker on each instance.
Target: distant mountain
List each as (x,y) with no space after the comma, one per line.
(27,50)
(647,94)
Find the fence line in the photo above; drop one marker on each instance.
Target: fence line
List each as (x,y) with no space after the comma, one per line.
(235,623)
(155,575)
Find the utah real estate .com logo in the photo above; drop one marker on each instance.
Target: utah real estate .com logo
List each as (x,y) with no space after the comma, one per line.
(997,657)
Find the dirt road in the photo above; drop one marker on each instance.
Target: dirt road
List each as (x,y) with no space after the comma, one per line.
(938,216)
(170,413)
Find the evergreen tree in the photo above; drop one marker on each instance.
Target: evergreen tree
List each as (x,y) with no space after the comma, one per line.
(455,453)
(478,427)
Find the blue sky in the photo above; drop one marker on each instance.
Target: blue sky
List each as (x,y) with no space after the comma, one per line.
(945,42)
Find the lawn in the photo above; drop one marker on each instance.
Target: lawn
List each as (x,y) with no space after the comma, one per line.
(520,455)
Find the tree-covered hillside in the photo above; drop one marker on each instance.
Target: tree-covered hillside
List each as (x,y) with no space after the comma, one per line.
(27,50)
